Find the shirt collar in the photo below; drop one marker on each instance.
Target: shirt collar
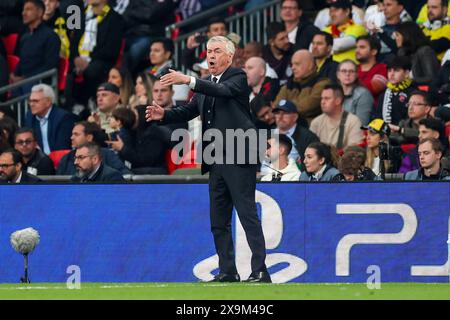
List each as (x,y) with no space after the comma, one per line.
(290,132)
(46,115)
(19,178)
(217,77)
(94,172)
(319,174)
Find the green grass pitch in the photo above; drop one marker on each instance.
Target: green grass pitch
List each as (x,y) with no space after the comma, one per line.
(238,291)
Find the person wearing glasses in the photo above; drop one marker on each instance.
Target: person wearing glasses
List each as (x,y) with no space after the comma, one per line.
(90,167)
(407,131)
(11,171)
(35,161)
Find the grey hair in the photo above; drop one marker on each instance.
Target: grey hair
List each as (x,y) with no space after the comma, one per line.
(229,45)
(46,90)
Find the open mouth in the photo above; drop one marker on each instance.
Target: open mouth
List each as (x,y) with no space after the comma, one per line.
(212,63)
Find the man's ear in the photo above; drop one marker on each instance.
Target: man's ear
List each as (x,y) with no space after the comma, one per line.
(90,137)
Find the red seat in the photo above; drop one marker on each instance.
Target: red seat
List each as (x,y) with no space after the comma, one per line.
(407,147)
(120,57)
(447,130)
(57,155)
(63,69)
(188,160)
(13,61)
(10,42)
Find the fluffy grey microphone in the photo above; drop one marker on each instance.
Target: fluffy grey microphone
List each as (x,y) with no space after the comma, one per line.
(25,241)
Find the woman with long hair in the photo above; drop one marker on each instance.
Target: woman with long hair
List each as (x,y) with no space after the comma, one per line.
(412,42)
(142,91)
(121,77)
(357,98)
(319,163)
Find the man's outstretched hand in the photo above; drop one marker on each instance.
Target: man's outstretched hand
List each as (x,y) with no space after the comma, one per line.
(174,77)
(154,112)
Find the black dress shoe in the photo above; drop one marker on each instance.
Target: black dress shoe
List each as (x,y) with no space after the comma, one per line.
(223,277)
(261,277)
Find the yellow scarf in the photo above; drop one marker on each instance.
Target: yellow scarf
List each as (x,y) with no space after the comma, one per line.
(62,33)
(400,86)
(99,19)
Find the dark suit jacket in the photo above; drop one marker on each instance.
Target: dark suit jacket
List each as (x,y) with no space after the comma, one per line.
(60,125)
(230,109)
(303,137)
(104,174)
(29,178)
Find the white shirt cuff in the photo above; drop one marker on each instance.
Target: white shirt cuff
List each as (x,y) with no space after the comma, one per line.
(192,83)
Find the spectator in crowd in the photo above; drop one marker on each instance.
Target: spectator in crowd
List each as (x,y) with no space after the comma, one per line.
(377,132)
(38,47)
(255,49)
(55,20)
(335,126)
(262,111)
(407,131)
(147,154)
(304,87)
(352,165)
(319,165)
(440,85)
(374,15)
(392,10)
(216,27)
(34,160)
(282,167)
(371,74)
(9,126)
(96,48)
(323,19)
(122,121)
(428,128)
(357,99)
(142,91)
(121,77)
(437,27)
(145,21)
(422,17)
(51,124)
(321,49)
(392,103)
(4,143)
(108,98)
(11,168)
(277,52)
(430,154)
(300,30)
(343,30)
(413,44)
(259,84)
(90,167)
(202,68)
(84,132)
(4,74)
(287,121)
(161,52)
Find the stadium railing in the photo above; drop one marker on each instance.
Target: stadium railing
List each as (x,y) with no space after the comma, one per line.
(19,104)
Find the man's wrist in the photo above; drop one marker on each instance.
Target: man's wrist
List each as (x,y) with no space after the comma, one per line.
(192,82)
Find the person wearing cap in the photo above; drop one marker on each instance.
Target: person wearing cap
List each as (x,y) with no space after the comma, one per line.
(335,126)
(377,131)
(108,99)
(51,124)
(278,50)
(392,104)
(288,122)
(304,87)
(344,30)
(430,154)
(299,29)
(259,84)
(282,167)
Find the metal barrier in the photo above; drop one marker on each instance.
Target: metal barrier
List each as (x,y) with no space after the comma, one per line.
(250,25)
(19,105)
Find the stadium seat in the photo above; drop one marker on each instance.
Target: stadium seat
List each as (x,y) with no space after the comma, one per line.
(176,32)
(10,42)
(447,130)
(62,73)
(407,147)
(120,57)
(13,61)
(188,161)
(57,155)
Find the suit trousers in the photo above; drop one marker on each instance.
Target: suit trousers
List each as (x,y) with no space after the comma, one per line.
(233,185)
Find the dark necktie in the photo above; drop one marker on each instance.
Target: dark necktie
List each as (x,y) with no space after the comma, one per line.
(214,79)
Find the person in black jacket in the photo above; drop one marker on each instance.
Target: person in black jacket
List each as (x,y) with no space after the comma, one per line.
(95,48)
(90,167)
(34,160)
(222,102)
(321,49)
(11,17)
(300,30)
(11,171)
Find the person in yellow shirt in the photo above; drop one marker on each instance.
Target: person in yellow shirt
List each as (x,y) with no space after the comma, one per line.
(343,30)
(422,17)
(437,27)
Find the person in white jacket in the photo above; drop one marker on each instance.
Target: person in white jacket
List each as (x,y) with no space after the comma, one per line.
(281,167)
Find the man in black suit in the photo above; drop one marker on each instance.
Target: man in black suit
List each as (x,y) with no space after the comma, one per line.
(90,167)
(11,163)
(51,124)
(222,102)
